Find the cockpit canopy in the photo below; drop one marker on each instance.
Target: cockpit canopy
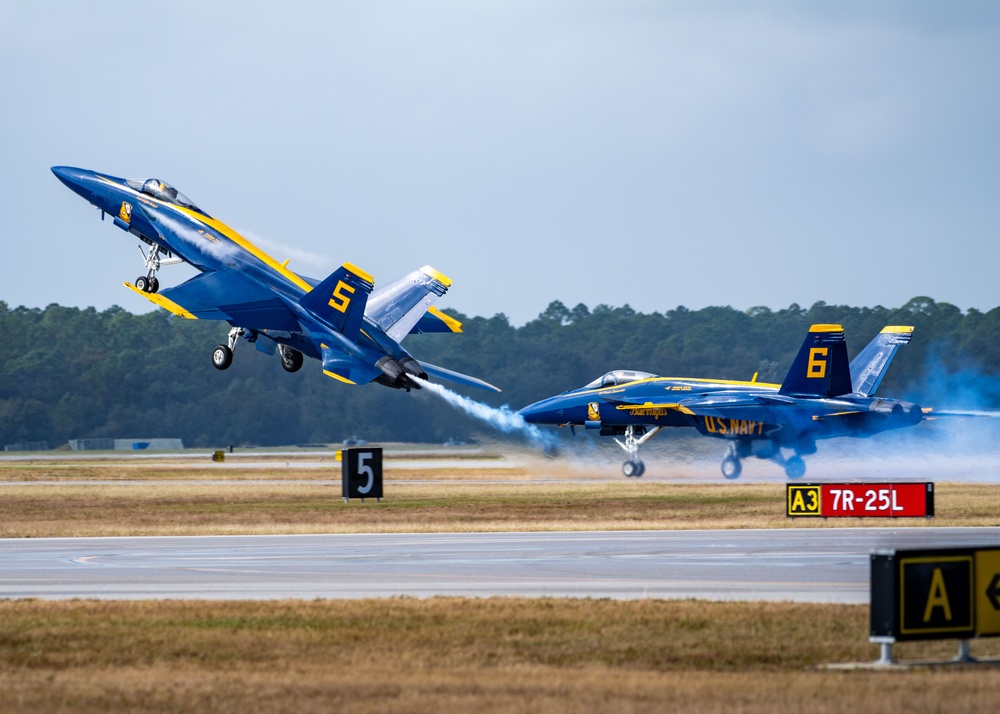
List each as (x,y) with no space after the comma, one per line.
(618,376)
(164,192)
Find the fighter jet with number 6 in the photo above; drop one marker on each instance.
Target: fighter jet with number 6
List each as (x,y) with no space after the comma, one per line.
(822,397)
(353,328)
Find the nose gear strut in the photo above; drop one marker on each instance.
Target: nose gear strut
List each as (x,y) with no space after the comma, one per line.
(633,466)
(148,282)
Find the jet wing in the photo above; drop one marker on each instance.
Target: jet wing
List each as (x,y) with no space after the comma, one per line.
(225,296)
(397,307)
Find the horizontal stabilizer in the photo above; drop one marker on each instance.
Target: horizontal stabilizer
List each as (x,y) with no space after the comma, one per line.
(398,306)
(821,368)
(339,301)
(457,377)
(869,366)
(436,321)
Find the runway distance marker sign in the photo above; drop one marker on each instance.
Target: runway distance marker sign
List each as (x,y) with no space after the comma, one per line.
(361,473)
(860,500)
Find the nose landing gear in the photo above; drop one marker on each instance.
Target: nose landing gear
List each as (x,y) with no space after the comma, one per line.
(148,282)
(633,466)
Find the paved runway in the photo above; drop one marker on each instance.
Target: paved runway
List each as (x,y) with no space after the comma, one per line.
(809,565)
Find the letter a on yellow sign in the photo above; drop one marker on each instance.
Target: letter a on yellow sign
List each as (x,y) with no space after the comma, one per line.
(937,597)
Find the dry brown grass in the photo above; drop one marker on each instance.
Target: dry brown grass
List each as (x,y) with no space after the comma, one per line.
(165,508)
(442,655)
(457,655)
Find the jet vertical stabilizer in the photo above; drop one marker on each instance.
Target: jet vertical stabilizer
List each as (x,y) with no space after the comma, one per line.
(869,366)
(821,368)
(340,300)
(397,306)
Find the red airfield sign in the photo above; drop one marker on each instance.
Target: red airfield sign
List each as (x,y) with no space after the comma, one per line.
(860,500)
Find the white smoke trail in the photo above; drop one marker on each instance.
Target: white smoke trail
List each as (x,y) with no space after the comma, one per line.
(502,419)
(964,413)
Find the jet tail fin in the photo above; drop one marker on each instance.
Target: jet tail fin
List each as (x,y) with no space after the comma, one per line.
(398,306)
(870,364)
(821,368)
(340,300)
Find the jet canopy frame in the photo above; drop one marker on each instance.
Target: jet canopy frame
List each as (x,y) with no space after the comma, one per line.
(618,376)
(163,191)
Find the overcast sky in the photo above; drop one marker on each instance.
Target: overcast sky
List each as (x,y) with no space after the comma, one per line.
(650,153)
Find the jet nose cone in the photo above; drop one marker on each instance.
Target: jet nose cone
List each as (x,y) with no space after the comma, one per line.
(67,174)
(77,180)
(534,413)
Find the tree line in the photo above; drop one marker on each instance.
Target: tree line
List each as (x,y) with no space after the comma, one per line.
(68,373)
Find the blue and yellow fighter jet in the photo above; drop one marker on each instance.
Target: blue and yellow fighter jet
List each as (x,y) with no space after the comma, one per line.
(822,397)
(354,329)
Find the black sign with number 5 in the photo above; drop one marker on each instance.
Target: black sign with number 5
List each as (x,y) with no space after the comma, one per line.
(361,472)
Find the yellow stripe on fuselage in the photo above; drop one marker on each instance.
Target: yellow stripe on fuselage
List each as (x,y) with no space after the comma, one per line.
(650,380)
(246,245)
(225,230)
(165,303)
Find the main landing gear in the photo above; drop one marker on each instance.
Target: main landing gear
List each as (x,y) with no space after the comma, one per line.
(291,360)
(732,464)
(222,355)
(633,466)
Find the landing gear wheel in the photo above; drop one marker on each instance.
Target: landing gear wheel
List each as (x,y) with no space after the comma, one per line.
(222,357)
(154,285)
(631,468)
(142,283)
(291,360)
(795,467)
(640,468)
(731,467)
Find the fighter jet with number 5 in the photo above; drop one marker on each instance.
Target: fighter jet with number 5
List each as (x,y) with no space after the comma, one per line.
(822,397)
(353,328)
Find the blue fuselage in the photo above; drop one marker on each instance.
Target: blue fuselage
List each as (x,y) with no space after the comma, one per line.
(658,402)
(180,228)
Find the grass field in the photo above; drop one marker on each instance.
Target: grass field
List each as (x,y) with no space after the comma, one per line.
(455,655)
(165,507)
(443,654)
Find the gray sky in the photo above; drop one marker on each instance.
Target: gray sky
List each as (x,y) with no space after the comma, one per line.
(650,153)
